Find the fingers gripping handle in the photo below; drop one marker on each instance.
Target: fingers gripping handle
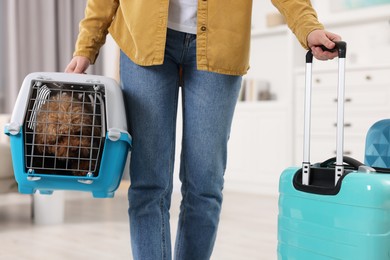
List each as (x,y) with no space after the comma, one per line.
(341,49)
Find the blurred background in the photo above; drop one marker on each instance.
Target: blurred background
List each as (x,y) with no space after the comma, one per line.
(39,35)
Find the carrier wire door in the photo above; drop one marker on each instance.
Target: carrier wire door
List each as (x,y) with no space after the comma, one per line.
(64,129)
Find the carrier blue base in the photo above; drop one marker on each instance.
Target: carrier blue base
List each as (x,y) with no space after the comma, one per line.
(354,224)
(102,186)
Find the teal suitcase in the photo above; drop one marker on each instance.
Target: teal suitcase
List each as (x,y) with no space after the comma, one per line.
(338,209)
(351,222)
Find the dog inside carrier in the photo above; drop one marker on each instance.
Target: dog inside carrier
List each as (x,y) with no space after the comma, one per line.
(64,128)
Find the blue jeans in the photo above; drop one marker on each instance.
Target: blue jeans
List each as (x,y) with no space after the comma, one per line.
(151,98)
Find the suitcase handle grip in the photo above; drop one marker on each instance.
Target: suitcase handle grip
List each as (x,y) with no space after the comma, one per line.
(341,48)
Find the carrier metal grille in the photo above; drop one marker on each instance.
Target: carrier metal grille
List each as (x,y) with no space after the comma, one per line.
(64,128)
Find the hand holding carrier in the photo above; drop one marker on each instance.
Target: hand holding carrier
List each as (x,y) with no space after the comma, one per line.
(337,209)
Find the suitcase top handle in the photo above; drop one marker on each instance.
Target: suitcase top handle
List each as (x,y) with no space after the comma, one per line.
(322,179)
(341,48)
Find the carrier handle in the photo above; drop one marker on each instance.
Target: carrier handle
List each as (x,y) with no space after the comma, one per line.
(341,48)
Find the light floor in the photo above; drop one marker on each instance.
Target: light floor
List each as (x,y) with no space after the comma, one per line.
(98,228)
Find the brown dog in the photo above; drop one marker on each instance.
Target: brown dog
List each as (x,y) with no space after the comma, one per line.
(65,128)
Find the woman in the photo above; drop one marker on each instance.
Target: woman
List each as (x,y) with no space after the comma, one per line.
(202,46)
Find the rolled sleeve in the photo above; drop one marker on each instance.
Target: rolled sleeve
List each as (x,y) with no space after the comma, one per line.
(93,29)
(300,16)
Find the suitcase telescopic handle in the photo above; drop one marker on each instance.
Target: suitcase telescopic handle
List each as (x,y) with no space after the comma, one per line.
(341,48)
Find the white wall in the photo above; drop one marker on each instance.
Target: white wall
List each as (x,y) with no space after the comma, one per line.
(110,57)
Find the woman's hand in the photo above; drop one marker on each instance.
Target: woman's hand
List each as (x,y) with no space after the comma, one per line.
(78,64)
(321,37)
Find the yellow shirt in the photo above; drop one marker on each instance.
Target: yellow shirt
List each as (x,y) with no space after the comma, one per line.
(223,34)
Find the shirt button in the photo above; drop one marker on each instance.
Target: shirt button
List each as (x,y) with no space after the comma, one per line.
(203,28)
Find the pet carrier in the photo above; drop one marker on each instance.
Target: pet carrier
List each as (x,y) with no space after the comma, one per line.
(68,132)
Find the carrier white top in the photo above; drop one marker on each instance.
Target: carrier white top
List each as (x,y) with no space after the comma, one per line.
(182,15)
(114,105)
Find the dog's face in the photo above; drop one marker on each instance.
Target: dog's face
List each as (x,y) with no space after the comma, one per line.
(66,129)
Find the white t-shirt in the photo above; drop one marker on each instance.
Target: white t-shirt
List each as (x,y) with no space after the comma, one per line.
(182,15)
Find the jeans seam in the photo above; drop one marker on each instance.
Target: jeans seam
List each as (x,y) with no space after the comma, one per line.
(183,213)
(184,185)
(170,171)
(163,241)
